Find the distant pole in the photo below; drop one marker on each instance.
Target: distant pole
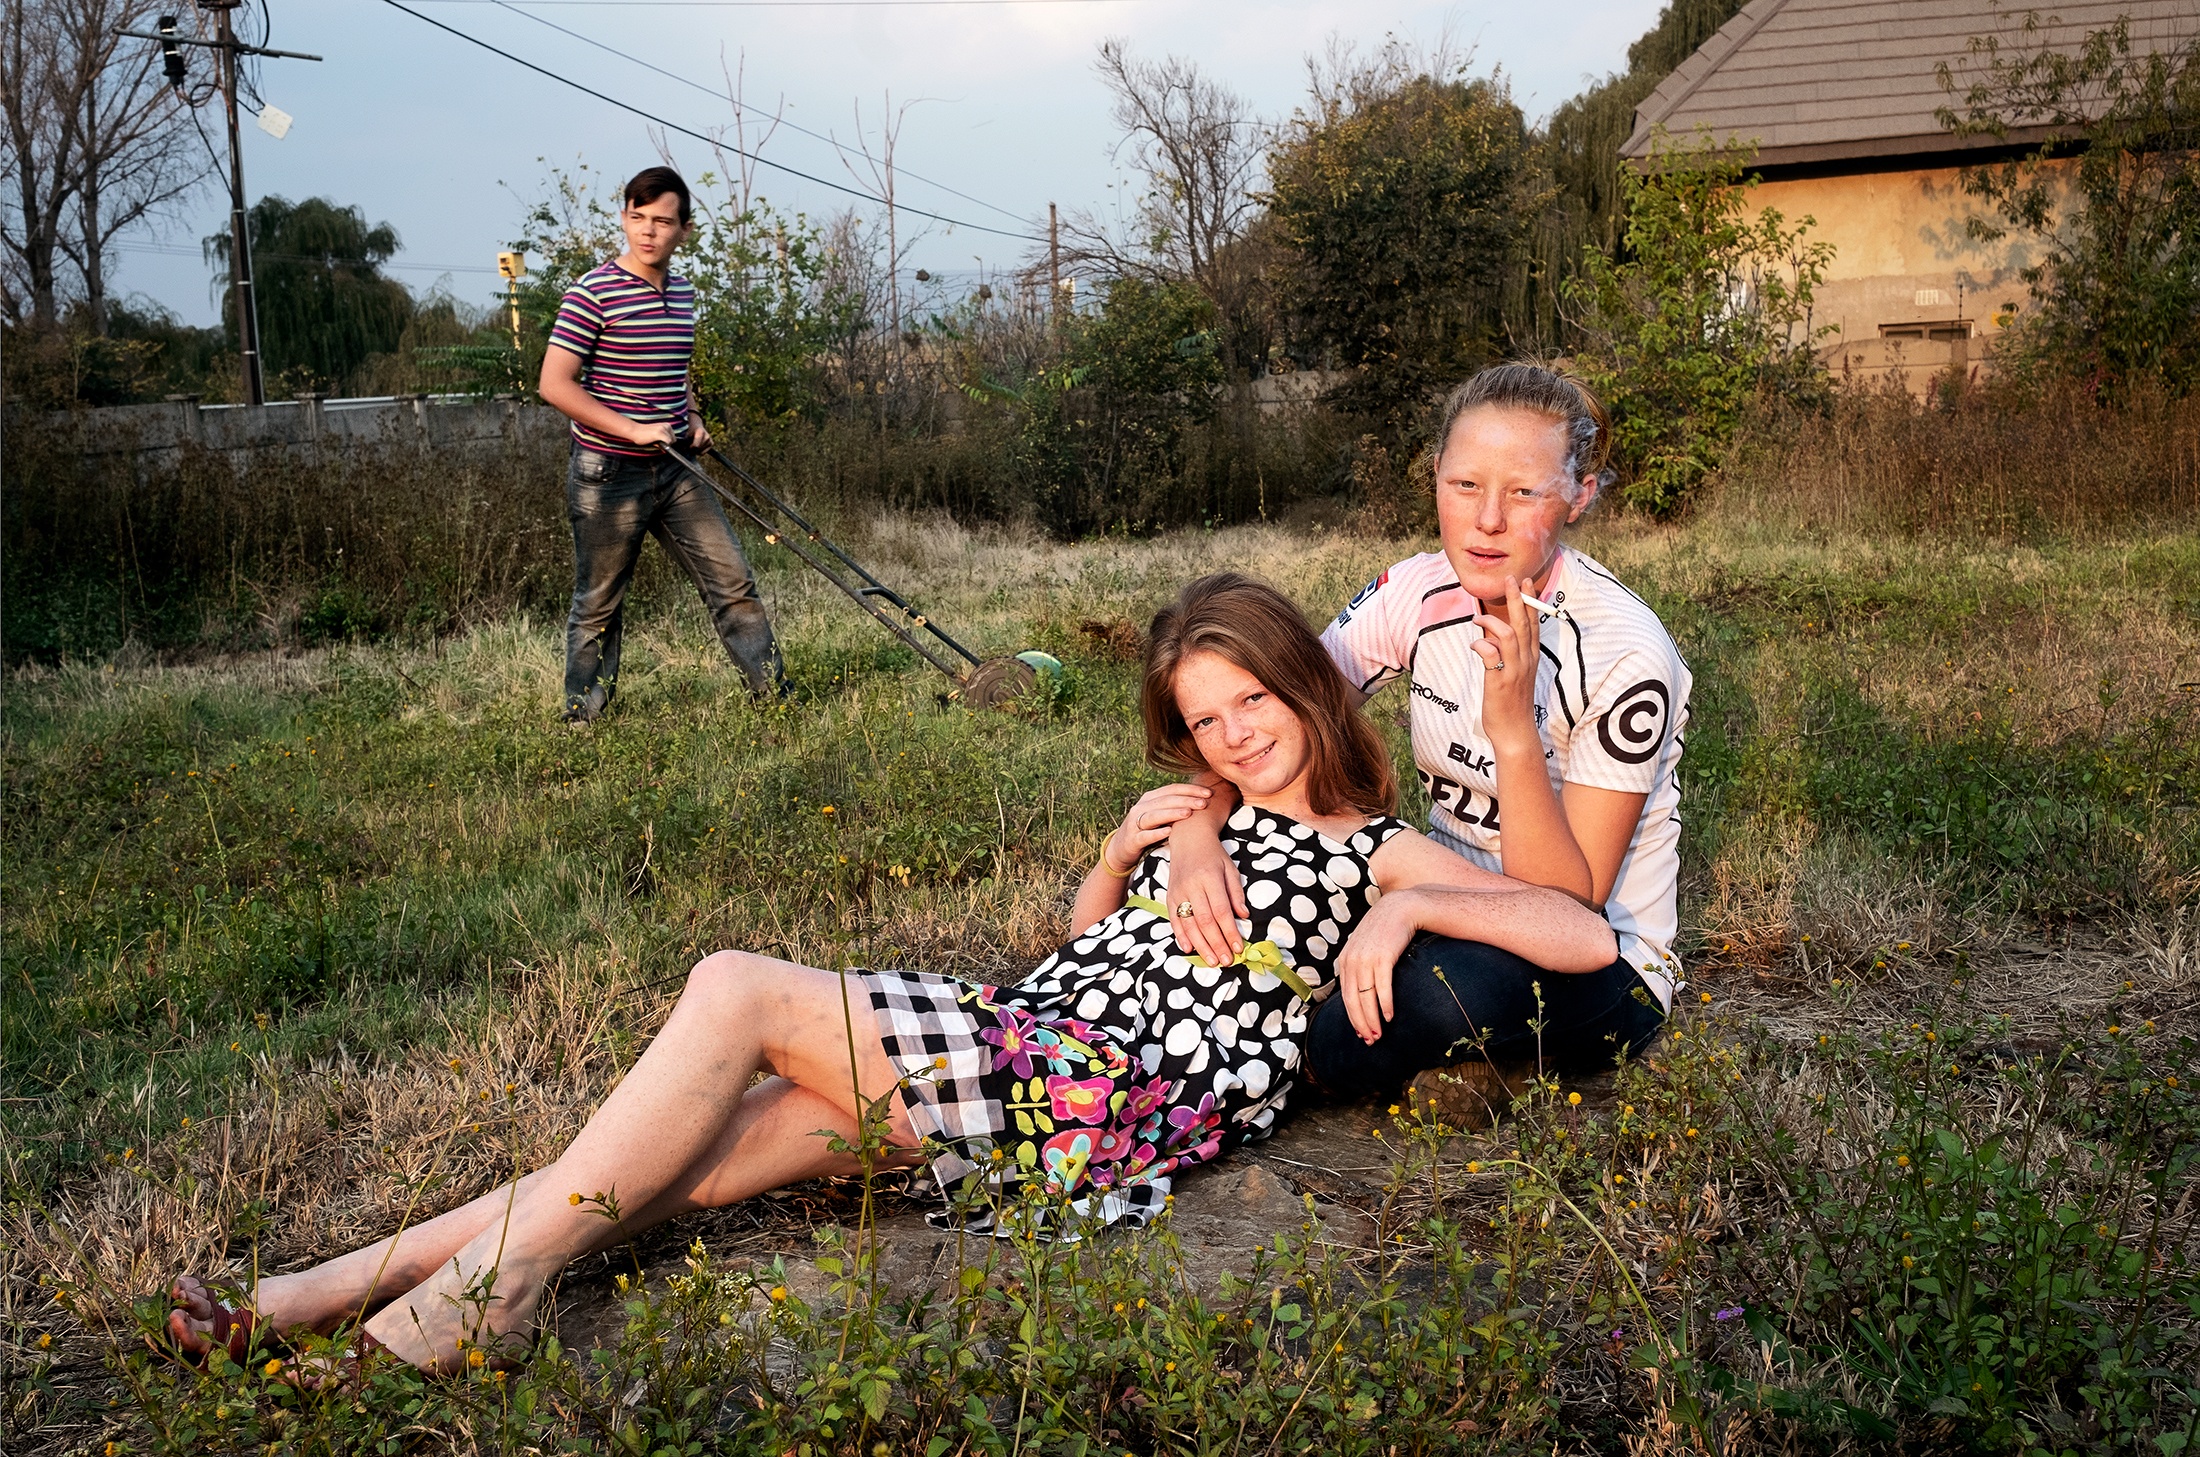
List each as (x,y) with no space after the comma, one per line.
(240,248)
(227,48)
(513,265)
(1054,269)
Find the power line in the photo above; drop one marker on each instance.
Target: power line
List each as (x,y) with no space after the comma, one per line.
(691,132)
(175,250)
(717,95)
(787,4)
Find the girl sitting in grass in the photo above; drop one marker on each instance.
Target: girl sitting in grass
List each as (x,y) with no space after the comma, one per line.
(1118,1062)
(1537,683)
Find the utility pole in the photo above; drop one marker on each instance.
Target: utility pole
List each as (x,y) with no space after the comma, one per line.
(1054,271)
(240,248)
(228,49)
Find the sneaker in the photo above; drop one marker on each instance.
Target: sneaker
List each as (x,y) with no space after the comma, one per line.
(587,708)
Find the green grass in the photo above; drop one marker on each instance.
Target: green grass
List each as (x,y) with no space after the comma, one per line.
(272,896)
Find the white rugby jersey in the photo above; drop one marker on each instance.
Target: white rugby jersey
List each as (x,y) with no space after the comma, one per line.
(1611,702)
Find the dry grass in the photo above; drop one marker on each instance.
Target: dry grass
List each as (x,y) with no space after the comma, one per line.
(1992,461)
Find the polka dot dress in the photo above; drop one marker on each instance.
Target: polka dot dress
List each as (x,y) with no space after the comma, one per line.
(1119,1060)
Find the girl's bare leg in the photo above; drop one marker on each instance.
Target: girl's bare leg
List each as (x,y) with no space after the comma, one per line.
(677,1134)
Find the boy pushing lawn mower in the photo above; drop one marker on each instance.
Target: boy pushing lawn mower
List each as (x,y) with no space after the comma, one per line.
(618,367)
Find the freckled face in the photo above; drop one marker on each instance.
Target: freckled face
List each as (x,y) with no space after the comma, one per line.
(1499,501)
(1245,733)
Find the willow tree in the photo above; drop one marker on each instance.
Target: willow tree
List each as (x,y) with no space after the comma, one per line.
(1579,152)
(324,305)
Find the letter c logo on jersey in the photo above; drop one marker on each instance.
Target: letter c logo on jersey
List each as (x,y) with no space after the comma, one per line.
(1637,719)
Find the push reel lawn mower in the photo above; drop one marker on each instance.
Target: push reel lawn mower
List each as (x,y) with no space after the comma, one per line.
(979,682)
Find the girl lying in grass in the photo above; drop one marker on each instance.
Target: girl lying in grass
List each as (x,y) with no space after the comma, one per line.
(1116,1063)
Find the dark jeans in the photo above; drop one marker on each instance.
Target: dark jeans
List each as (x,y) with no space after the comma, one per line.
(613,501)
(1456,1000)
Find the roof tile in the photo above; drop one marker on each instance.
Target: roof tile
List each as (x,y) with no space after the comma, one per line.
(1822,74)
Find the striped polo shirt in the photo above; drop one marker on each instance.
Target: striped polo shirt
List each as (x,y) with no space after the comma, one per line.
(635,342)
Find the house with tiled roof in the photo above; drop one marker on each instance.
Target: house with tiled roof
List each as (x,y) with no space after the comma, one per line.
(1835,103)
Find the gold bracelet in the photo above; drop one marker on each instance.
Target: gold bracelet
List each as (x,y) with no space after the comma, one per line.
(1105,867)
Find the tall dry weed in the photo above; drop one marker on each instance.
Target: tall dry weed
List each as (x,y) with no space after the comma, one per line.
(1969,462)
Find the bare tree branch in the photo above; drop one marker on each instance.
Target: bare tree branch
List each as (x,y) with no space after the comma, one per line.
(95,142)
(1198,147)
(136,154)
(38,94)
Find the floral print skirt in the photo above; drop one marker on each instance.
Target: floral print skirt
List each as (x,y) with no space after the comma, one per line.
(1010,1095)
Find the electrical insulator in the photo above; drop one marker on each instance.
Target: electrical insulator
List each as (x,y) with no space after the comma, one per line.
(171,54)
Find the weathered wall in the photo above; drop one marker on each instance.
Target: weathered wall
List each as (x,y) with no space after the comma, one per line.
(446,422)
(1903,258)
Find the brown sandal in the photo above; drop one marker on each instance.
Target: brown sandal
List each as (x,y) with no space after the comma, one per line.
(235,1328)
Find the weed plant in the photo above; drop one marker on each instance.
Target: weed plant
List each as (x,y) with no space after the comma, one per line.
(2000,460)
(1741,1247)
(200,553)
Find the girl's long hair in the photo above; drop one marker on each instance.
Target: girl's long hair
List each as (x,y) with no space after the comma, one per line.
(1256,627)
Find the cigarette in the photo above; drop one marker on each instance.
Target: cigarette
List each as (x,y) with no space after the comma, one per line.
(1538,604)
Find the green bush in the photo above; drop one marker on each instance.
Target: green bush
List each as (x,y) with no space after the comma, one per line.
(1708,309)
(1105,428)
(1401,201)
(2117,287)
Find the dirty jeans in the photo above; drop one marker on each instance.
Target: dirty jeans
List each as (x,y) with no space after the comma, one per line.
(1454,1000)
(612,501)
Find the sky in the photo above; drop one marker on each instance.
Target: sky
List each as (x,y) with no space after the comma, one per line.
(1001,109)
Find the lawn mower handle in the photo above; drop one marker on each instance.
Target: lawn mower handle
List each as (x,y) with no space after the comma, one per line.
(874,587)
(863,597)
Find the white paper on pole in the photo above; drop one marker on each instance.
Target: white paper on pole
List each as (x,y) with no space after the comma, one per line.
(274,121)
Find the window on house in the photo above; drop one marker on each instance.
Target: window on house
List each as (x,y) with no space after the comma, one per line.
(1941,331)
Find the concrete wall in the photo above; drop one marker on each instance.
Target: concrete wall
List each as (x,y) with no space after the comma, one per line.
(1902,260)
(448,422)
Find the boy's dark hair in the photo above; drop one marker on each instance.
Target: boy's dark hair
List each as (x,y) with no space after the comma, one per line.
(651,183)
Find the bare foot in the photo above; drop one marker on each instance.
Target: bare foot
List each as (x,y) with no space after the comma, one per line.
(470,1312)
